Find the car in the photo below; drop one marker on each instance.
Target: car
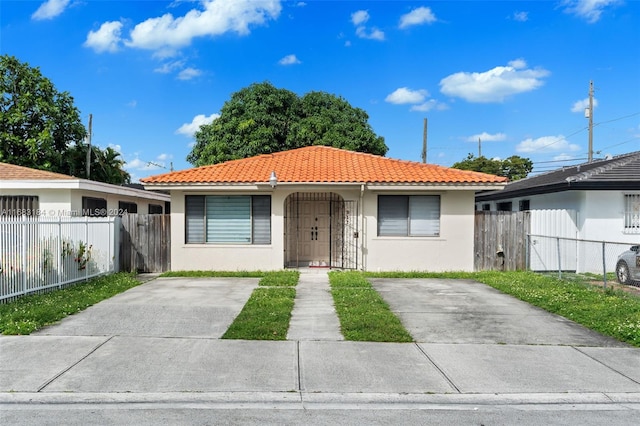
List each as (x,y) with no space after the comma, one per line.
(628,266)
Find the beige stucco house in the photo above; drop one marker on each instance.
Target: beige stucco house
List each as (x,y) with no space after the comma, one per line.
(322,207)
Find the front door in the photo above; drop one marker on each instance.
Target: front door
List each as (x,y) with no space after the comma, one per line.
(314,232)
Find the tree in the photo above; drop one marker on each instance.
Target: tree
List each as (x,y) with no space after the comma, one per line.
(105,166)
(261,119)
(41,128)
(514,167)
(37,122)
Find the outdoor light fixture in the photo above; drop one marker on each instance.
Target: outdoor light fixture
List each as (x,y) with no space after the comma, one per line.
(273,179)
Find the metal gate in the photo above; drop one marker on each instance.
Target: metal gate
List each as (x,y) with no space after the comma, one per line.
(343,230)
(344,234)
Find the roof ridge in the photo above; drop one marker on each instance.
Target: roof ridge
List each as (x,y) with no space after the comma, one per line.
(612,163)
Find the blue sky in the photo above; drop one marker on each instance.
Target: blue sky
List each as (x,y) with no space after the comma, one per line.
(514,74)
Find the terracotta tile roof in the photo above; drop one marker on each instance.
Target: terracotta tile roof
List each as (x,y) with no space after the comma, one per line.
(322,164)
(13,172)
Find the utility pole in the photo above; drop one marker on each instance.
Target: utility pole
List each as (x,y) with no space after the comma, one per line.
(424,141)
(589,114)
(89,150)
(479,148)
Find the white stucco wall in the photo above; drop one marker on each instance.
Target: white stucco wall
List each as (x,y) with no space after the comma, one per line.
(67,201)
(452,250)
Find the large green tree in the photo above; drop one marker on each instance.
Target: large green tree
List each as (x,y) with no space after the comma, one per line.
(261,119)
(41,128)
(514,167)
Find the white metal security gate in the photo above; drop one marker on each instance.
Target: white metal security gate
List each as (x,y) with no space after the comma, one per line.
(321,231)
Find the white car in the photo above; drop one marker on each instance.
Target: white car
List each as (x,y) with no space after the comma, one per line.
(628,266)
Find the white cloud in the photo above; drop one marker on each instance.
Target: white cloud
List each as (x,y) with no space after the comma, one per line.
(169,67)
(168,33)
(372,34)
(589,10)
(546,144)
(132,104)
(115,147)
(494,85)
(50,9)
(404,95)
(359,17)
(487,137)
(419,16)
(106,39)
(563,157)
(521,16)
(189,129)
(189,73)
(289,60)
(431,104)
(579,106)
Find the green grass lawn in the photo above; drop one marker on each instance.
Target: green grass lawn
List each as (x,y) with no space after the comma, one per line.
(614,313)
(363,314)
(30,313)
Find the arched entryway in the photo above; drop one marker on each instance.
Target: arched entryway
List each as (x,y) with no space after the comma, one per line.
(320,231)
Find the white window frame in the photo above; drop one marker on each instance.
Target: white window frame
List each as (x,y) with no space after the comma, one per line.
(632,213)
(409,215)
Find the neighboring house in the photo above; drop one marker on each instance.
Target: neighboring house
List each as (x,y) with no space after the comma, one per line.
(325,207)
(31,192)
(604,193)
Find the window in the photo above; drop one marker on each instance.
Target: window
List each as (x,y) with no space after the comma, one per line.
(155,209)
(486,207)
(524,205)
(409,215)
(632,213)
(94,206)
(240,219)
(127,207)
(504,207)
(19,205)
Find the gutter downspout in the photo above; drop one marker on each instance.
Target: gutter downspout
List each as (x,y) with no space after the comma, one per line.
(361,232)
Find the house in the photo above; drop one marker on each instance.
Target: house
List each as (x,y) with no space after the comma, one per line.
(31,192)
(320,206)
(605,195)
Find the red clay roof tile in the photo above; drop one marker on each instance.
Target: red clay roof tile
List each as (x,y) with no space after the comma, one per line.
(13,172)
(322,164)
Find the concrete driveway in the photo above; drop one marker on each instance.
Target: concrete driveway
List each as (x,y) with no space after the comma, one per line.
(165,307)
(465,311)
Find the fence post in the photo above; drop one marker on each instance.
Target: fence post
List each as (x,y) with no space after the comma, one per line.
(24,254)
(527,261)
(559,259)
(59,253)
(604,265)
(87,248)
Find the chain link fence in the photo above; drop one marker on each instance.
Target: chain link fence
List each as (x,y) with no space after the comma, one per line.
(566,257)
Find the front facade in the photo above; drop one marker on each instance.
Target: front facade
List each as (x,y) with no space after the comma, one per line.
(322,207)
(604,194)
(29,192)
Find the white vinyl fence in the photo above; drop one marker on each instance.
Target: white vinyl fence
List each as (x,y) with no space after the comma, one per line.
(38,253)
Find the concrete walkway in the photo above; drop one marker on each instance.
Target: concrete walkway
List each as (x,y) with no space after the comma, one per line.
(314,316)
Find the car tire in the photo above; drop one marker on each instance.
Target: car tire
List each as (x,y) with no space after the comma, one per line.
(622,273)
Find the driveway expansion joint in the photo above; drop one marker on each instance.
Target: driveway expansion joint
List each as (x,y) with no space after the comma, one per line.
(51,380)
